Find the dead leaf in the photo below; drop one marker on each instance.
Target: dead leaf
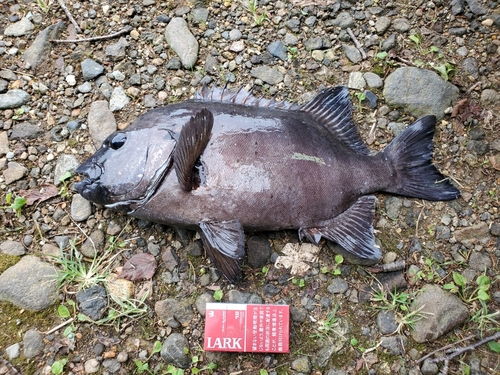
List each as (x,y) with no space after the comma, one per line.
(297,257)
(458,107)
(140,267)
(495,161)
(39,194)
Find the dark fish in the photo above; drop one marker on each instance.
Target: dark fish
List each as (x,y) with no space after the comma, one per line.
(224,162)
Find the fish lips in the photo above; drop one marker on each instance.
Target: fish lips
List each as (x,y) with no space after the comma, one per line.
(93,191)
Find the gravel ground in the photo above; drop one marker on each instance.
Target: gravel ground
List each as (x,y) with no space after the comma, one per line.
(59,100)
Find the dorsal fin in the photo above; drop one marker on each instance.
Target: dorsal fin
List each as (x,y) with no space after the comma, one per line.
(241,96)
(193,139)
(331,108)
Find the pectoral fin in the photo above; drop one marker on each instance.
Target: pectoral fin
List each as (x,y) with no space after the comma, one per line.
(192,141)
(224,242)
(352,229)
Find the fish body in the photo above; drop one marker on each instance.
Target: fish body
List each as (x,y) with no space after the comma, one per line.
(225,162)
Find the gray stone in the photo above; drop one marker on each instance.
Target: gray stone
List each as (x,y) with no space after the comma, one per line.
(476,7)
(419,91)
(4,143)
(470,66)
(117,51)
(81,208)
(174,312)
(4,85)
(93,244)
(85,88)
(312,44)
(200,15)
(480,261)
(93,302)
(13,351)
(373,80)
(29,284)
(352,53)
(25,130)
(302,364)
(8,74)
(234,35)
(356,81)
(429,368)
(119,99)
(14,99)
(344,20)
(20,28)
(39,51)
(457,7)
(267,74)
(182,41)
(101,121)
(12,248)
(201,302)
(396,127)
(14,172)
(278,49)
(474,232)
(401,25)
(389,43)
(386,322)
(293,24)
(298,314)
(382,25)
(112,365)
(290,40)
(489,96)
(441,312)
(32,343)
(91,366)
(91,69)
(173,351)
(337,286)
(370,99)
(258,251)
(65,163)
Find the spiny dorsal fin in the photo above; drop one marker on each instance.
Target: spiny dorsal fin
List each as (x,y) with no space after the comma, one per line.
(331,108)
(224,242)
(352,229)
(241,96)
(192,141)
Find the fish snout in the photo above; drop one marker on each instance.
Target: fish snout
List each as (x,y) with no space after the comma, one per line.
(90,169)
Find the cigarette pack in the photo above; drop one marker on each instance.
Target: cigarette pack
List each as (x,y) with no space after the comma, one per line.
(233,327)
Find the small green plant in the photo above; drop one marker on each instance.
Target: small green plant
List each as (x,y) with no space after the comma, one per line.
(326,327)
(429,271)
(16,205)
(300,282)
(446,71)
(195,370)
(251,6)
(218,294)
(361,97)
(58,366)
(143,366)
(336,270)
(64,313)
(470,293)
(417,39)
(63,192)
(292,53)
(263,372)
(171,369)
(44,5)
(18,113)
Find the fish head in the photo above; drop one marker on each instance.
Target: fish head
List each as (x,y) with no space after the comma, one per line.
(128,168)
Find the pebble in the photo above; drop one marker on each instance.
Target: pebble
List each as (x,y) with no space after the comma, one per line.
(278,49)
(81,208)
(401,25)
(302,365)
(382,25)
(32,343)
(93,302)
(40,49)
(91,69)
(202,301)
(13,248)
(356,81)
(85,88)
(14,172)
(258,251)
(373,80)
(13,351)
(352,53)
(386,322)
(182,41)
(91,366)
(119,99)
(337,286)
(65,163)
(172,351)
(20,28)
(14,99)
(117,51)
(101,122)
(267,74)
(173,312)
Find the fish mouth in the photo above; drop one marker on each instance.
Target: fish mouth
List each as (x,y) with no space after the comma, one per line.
(93,191)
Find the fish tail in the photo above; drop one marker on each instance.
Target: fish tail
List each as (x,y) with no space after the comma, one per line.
(410,157)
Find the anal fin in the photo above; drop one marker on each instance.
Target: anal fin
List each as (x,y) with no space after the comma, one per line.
(224,242)
(193,139)
(352,229)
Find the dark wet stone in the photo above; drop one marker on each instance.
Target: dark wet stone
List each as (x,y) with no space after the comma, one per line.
(278,49)
(270,290)
(386,322)
(370,99)
(173,352)
(93,302)
(389,43)
(298,314)
(258,251)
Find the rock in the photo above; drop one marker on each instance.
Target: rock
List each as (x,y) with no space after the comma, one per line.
(480,261)
(389,43)
(65,163)
(302,365)
(298,314)
(93,244)
(356,81)
(373,80)
(173,351)
(4,143)
(457,7)
(91,366)
(476,7)
(32,343)
(20,28)
(441,312)
(14,99)
(470,66)
(386,322)
(101,121)
(489,96)
(337,340)
(91,69)
(401,25)
(29,284)
(25,130)
(394,344)
(344,20)
(478,231)
(39,51)
(13,351)
(111,365)
(118,288)
(258,251)
(4,85)
(81,208)
(268,75)
(370,99)
(200,15)
(182,41)
(14,172)
(174,312)
(382,25)
(201,302)
(419,91)
(117,51)
(93,302)
(337,286)
(392,207)
(119,99)
(278,49)
(352,53)
(12,248)
(312,44)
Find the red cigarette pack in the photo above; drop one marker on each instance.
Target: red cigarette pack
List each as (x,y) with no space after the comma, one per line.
(234,327)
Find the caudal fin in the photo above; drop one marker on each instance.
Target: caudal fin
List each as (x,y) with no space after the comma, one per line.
(411,155)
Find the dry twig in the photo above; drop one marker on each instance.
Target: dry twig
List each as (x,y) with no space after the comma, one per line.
(93,39)
(61,4)
(356,43)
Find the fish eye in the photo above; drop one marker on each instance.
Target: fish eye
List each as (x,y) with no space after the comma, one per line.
(117,141)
